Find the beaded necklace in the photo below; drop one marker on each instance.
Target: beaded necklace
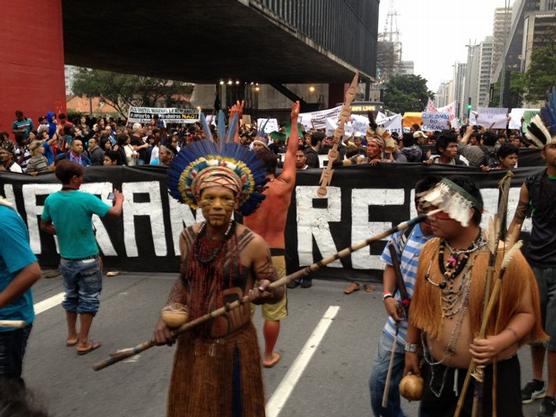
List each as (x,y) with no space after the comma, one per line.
(206,250)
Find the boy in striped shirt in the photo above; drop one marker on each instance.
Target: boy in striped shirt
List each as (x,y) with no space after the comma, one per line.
(408,248)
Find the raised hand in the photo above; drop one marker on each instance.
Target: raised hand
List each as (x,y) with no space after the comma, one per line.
(295,110)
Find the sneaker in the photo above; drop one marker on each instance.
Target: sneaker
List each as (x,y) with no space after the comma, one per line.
(548,407)
(532,391)
(307,283)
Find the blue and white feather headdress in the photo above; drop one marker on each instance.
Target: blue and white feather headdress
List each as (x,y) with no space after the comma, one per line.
(206,162)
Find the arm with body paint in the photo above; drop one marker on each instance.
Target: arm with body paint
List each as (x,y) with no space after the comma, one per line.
(289,170)
(178,294)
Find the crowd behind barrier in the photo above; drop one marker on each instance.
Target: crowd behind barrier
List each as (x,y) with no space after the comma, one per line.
(33,148)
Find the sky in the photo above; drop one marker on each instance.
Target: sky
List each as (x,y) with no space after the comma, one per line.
(434,32)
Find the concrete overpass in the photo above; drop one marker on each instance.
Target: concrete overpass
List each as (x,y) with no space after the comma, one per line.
(266,41)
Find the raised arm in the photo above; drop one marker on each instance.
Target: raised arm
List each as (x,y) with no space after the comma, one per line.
(288,172)
(467,135)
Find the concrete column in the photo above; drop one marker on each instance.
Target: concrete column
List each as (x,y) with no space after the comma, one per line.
(31,59)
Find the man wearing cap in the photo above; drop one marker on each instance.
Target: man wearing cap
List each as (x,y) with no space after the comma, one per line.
(7,162)
(538,198)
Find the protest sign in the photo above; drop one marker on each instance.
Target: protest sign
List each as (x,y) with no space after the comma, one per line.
(435,121)
(450,109)
(392,124)
(489,117)
(517,114)
(317,119)
(268,125)
(431,107)
(166,114)
(357,124)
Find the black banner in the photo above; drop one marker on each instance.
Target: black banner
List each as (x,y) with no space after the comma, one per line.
(362,200)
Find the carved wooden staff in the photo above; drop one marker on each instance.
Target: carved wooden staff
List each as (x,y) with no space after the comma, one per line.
(126,353)
(333,154)
(495,233)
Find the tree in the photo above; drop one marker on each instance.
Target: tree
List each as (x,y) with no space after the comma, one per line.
(405,93)
(541,74)
(124,90)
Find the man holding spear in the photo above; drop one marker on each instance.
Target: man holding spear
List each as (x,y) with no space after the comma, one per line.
(217,370)
(398,289)
(446,314)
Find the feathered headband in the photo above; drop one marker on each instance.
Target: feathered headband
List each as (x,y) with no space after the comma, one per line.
(205,163)
(452,199)
(542,130)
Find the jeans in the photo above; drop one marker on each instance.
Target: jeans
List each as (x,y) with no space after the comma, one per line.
(12,350)
(82,284)
(378,379)
(546,280)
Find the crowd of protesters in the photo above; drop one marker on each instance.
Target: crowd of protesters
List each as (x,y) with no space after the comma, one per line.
(34,149)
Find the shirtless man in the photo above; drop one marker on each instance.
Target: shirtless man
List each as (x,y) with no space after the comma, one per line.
(269,221)
(445,315)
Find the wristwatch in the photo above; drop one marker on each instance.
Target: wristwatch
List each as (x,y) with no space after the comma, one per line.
(411,347)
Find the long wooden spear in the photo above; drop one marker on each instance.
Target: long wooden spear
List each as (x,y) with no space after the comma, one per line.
(141,347)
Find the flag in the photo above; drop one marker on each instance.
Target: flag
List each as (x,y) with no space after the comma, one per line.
(431,108)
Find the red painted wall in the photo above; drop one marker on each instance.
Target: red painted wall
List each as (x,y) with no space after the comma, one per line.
(31,59)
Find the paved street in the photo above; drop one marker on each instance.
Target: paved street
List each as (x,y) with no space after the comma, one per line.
(333,383)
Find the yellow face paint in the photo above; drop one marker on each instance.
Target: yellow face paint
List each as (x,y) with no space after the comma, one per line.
(217,204)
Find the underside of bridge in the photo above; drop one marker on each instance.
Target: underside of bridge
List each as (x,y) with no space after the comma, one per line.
(200,41)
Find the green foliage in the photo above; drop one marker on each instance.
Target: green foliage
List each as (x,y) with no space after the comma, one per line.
(405,93)
(541,74)
(124,90)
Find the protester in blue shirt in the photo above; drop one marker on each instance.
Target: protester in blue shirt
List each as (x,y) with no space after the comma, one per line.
(408,249)
(67,213)
(19,270)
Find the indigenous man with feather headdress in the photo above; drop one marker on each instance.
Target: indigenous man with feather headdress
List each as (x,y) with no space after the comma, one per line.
(538,198)
(446,313)
(217,370)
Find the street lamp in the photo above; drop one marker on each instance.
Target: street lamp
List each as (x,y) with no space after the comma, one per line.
(312,89)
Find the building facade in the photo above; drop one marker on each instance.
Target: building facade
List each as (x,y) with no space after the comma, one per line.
(485,70)
(500,33)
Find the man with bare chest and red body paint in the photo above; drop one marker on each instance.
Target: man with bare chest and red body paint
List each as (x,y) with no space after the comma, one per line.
(269,221)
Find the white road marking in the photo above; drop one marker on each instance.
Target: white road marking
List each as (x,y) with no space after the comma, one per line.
(133,359)
(281,394)
(47,304)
